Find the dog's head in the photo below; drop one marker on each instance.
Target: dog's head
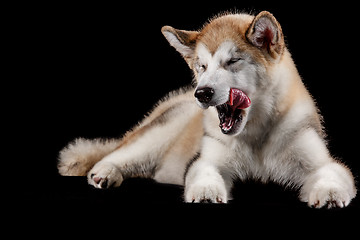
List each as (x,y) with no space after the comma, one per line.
(230,57)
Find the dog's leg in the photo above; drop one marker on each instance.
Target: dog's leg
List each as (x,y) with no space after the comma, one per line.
(328,182)
(204,181)
(143,151)
(331,185)
(138,158)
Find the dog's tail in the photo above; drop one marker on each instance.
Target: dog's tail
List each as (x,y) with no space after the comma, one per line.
(81,155)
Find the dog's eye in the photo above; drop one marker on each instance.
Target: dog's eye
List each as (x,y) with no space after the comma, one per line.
(201,68)
(232,61)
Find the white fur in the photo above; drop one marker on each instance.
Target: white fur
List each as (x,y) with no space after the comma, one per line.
(204,181)
(330,184)
(184,50)
(219,78)
(301,161)
(147,152)
(81,155)
(279,139)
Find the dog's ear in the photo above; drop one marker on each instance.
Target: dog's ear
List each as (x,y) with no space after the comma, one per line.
(265,33)
(183,41)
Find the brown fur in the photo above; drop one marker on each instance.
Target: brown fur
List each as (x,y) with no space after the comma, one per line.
(156,116)
(280,142)
(228,27)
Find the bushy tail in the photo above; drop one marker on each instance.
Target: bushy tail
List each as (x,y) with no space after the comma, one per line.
(81,155)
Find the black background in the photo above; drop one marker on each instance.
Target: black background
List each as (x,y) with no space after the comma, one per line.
(94,69)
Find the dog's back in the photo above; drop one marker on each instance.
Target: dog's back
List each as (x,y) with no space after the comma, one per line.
(260,122)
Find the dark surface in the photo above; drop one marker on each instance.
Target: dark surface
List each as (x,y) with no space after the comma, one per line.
(143,203)
(93,70)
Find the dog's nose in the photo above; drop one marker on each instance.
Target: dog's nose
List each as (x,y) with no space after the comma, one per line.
(204,95)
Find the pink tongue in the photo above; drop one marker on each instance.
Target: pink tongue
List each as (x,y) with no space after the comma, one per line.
(238,99)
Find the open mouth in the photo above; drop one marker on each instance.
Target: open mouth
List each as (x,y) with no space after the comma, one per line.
(231,112)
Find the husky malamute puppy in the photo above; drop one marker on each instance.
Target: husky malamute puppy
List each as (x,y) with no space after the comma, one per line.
(249,116)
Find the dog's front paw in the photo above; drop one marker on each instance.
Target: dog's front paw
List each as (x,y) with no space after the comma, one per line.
(331,186)
(330,195)
(206,192)
(105,175)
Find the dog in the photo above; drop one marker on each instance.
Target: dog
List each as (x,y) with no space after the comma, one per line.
(248,116)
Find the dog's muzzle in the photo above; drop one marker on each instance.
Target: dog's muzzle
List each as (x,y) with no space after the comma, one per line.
(231,112)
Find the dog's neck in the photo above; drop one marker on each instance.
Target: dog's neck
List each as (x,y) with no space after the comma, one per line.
(283,83)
